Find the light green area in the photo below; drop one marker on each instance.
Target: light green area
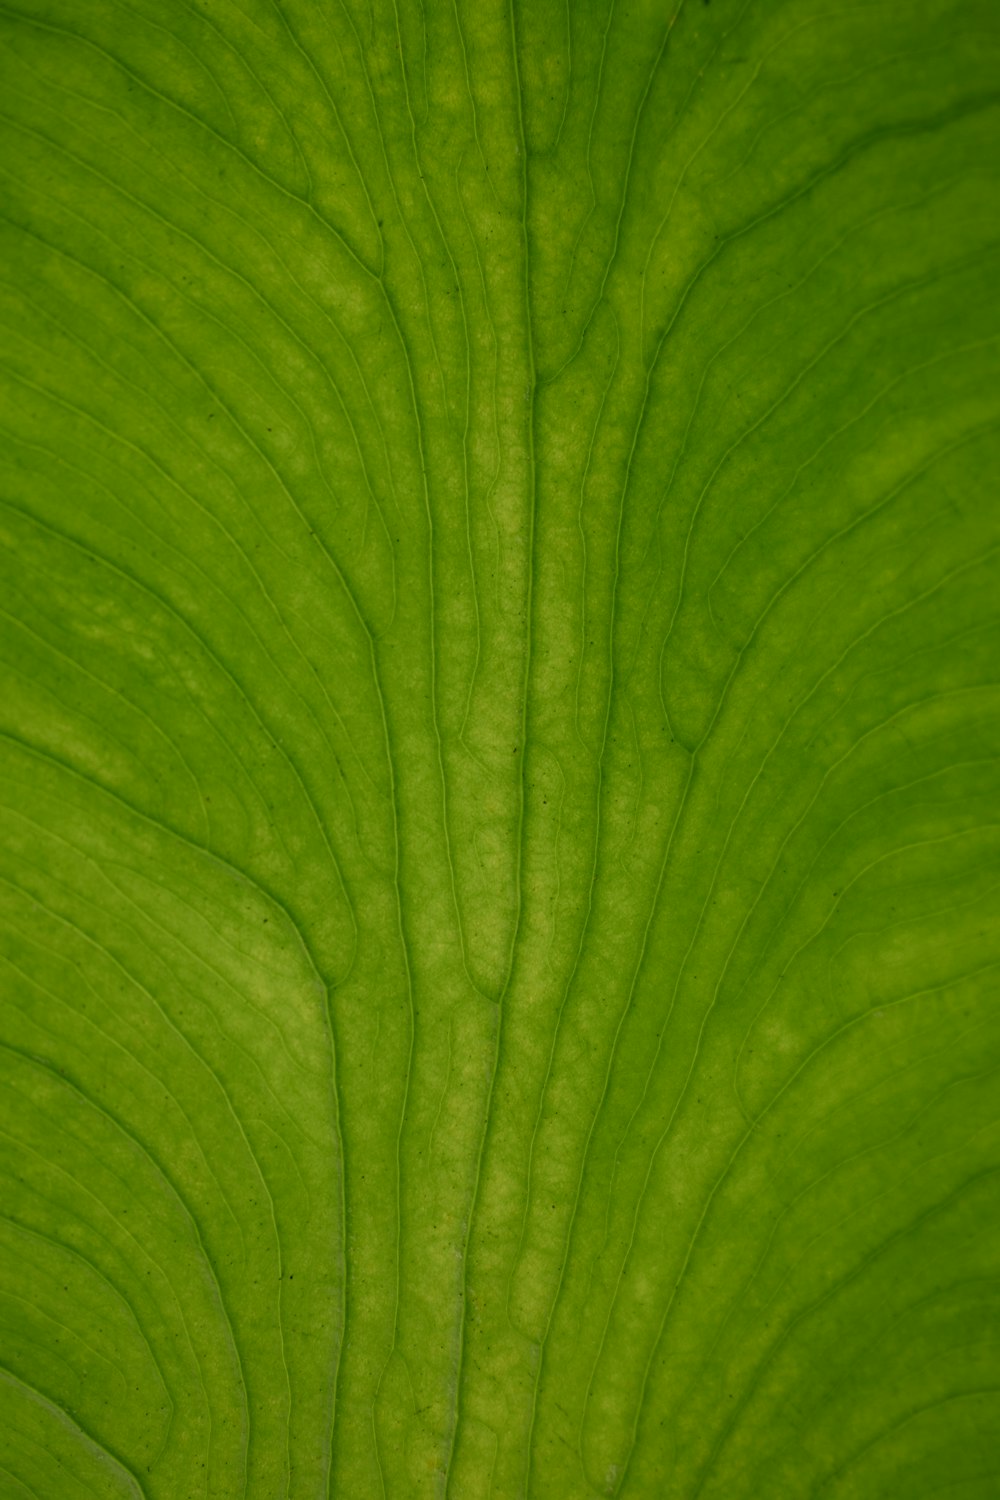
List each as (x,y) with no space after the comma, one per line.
(499,795)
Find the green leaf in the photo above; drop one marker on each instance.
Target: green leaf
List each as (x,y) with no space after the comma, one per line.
(499,796)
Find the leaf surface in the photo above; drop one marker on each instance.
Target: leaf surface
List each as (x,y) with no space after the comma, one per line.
(499,797)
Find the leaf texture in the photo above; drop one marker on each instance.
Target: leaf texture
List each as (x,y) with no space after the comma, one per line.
(500,822)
